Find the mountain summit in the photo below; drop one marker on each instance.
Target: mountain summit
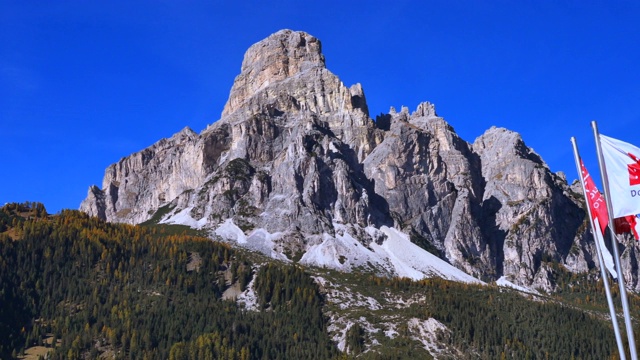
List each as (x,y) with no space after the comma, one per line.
(296,168)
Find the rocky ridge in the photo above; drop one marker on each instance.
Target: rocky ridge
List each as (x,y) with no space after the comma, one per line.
(297,169)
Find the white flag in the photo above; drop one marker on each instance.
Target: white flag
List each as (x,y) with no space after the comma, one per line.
(606,255)
(622,161)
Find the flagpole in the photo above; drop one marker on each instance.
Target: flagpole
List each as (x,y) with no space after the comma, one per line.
(614,243)
(603,272)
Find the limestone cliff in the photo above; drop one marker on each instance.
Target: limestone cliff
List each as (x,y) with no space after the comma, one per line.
(296,168)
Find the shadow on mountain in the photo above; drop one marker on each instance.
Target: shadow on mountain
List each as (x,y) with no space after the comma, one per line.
(492,233)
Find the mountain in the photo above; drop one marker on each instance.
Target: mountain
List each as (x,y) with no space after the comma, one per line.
(297,169)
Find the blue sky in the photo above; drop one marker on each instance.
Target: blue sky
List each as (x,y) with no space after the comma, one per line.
(83,84)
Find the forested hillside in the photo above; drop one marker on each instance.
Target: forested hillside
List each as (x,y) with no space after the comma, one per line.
(126,290)
(135,292)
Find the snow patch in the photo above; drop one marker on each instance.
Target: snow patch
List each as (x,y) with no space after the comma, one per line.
(412,261)
(263,241)
(396,255)
(230,231)
(321,281)
(399,302)
(426,331)
(339,326)
(183,217)
(506,283)
(390,252)
(248,298)
(342,252)
(346,299)
(391,331)
(350,300)
(258,240)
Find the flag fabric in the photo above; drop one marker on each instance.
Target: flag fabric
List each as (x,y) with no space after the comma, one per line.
(600,216)
(607,259)
(594,198)
(629,223)
(622,161)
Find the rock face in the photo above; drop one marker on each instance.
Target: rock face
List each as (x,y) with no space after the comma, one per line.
(147,179)
(531,214)
(295,165)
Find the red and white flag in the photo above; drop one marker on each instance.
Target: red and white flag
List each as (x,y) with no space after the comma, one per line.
(600,216)
(594,198)
(622,161)
(629,223)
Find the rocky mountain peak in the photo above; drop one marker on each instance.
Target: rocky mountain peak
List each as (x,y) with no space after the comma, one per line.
(425,109)
(297,169)
(280,56)
(500,143)
(186,132)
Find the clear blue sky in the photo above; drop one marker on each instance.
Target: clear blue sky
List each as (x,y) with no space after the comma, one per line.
(84,83)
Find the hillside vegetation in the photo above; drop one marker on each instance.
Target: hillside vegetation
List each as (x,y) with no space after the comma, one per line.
(134,292)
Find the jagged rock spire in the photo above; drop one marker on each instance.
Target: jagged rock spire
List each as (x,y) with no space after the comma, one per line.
(278,57)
